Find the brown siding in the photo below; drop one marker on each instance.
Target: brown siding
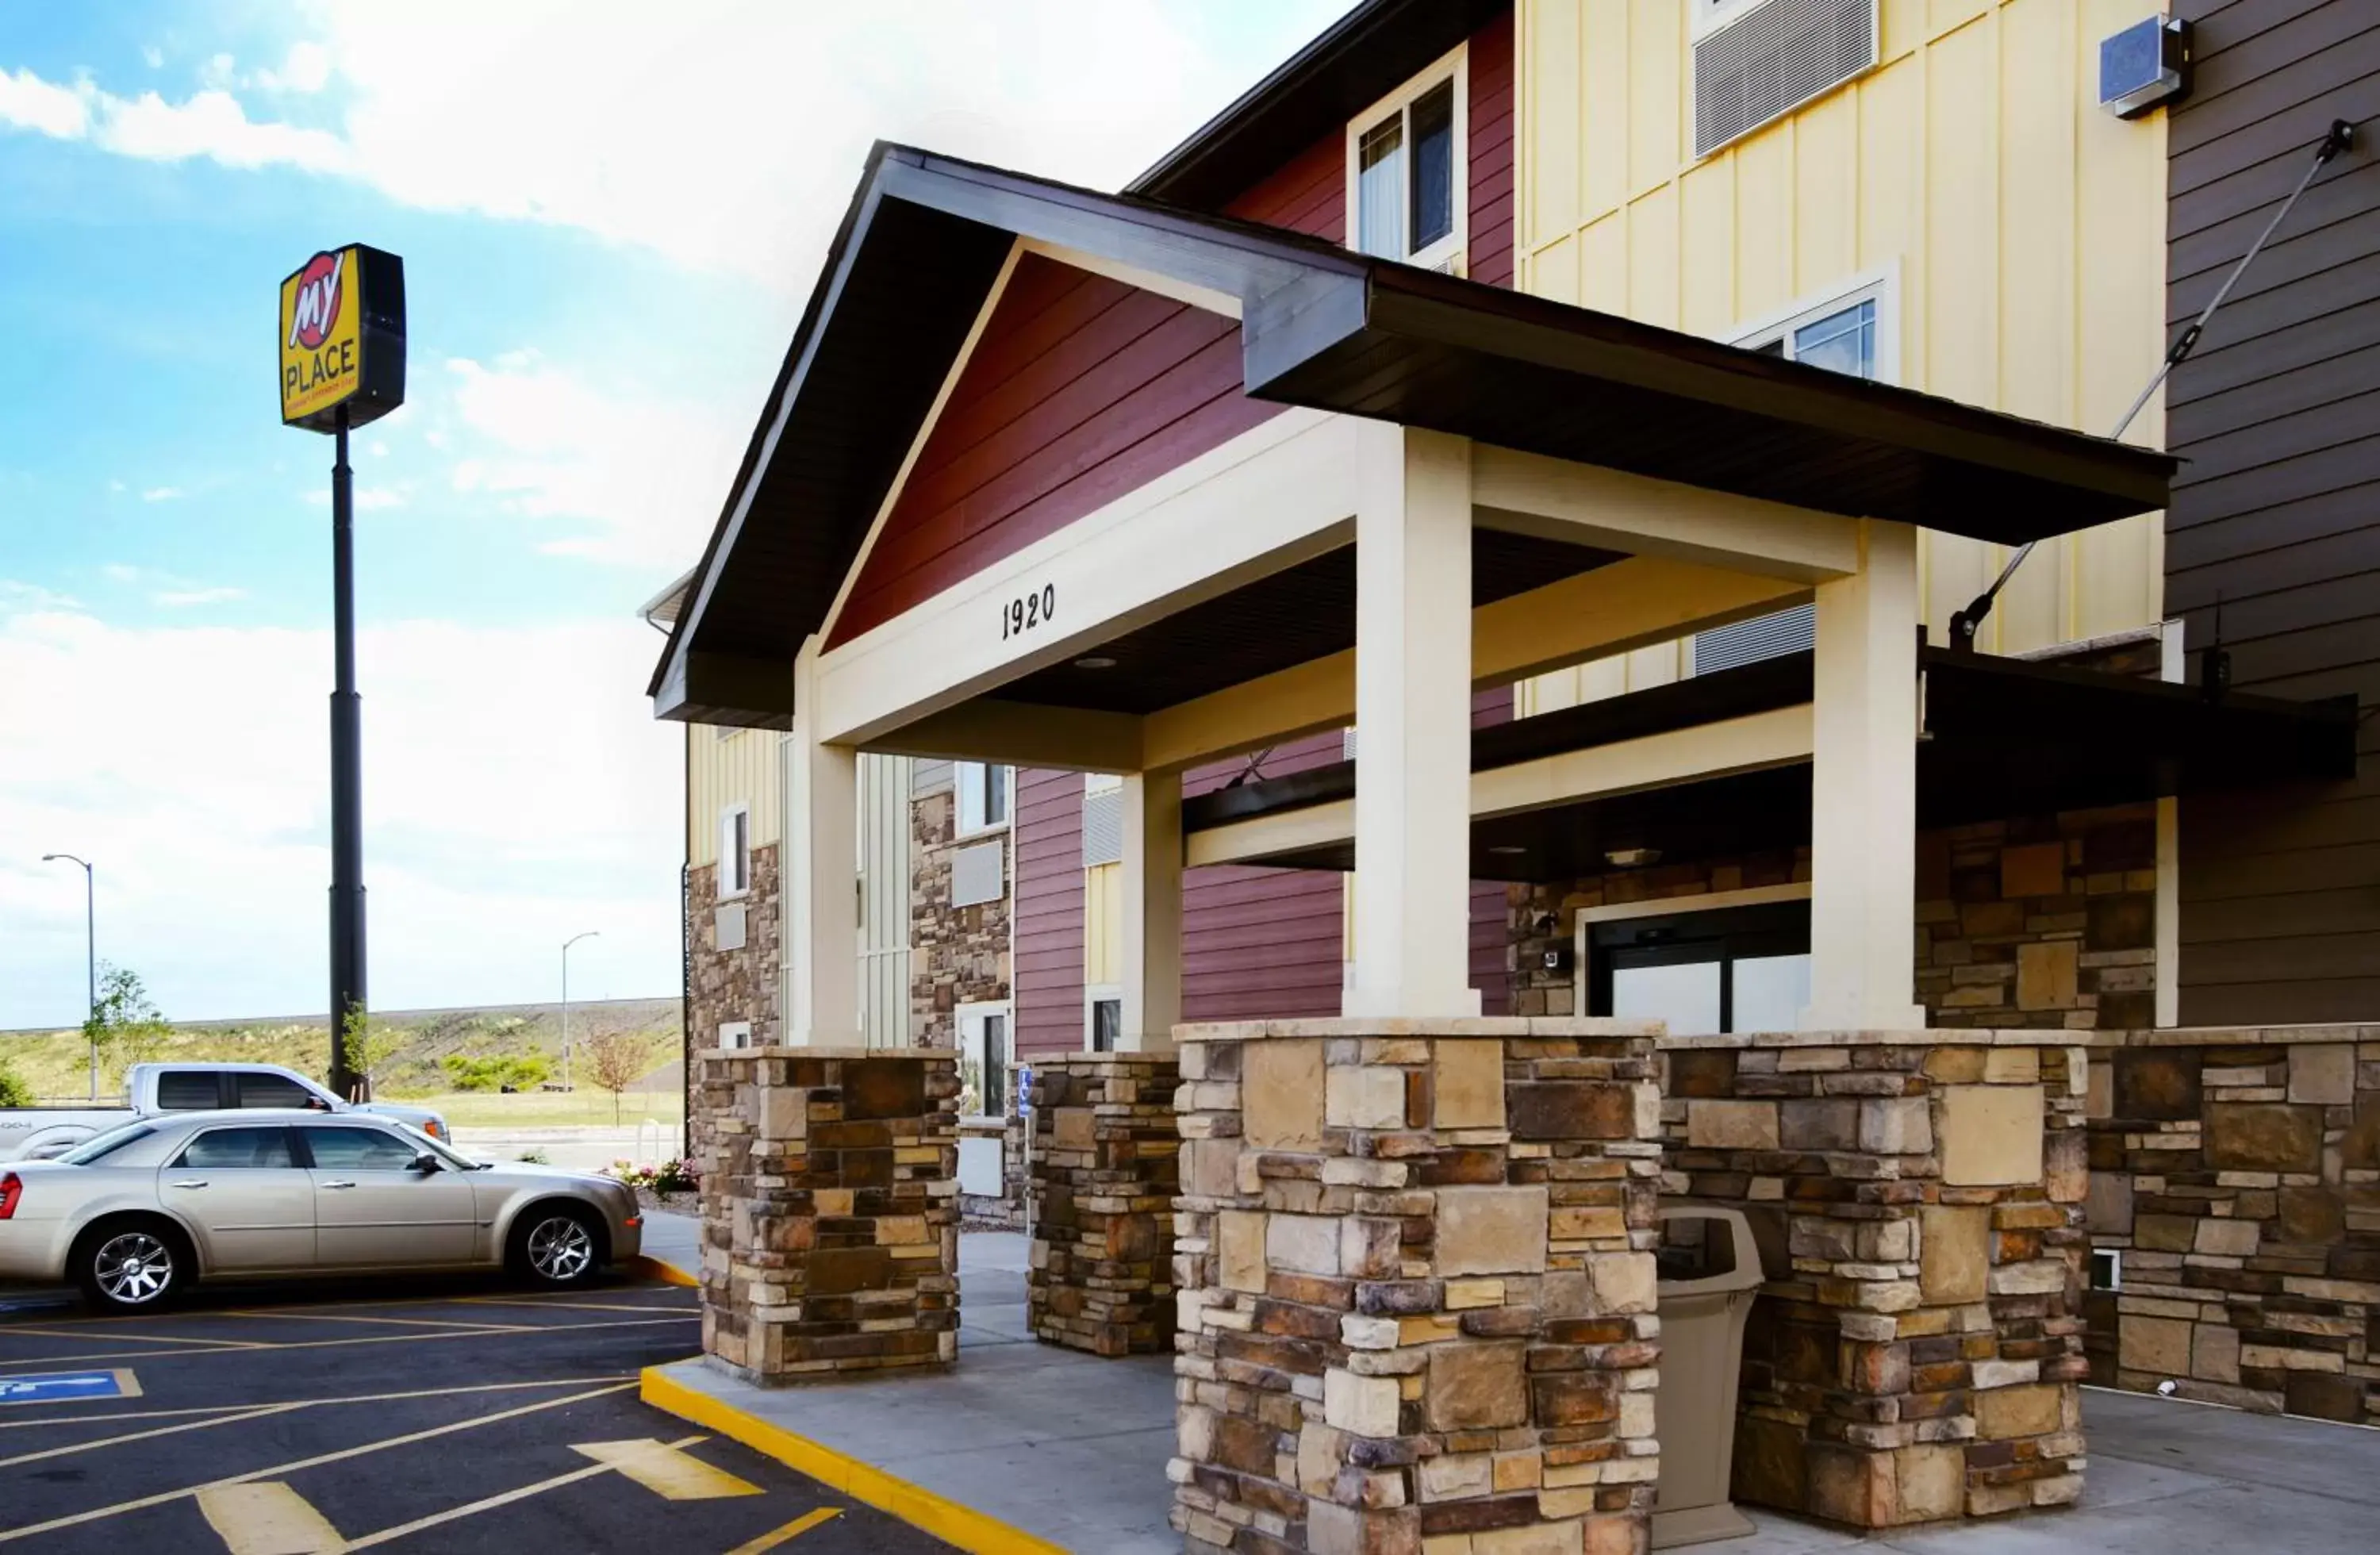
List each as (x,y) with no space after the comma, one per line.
(1308,194)
(1262,944)
(1048,917)
(1490,246)
(1080,390)
(2277,515)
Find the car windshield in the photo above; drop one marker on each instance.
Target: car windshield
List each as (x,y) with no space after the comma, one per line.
(421,1141)
(103,1145)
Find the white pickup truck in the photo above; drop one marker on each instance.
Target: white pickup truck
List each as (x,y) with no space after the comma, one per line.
(39,1133)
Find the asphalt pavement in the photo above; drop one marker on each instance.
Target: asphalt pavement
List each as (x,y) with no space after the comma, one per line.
(454,1414)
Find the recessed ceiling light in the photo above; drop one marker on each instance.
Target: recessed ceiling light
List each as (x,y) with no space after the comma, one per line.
(1095,661)
(1632,857)
(1507,849)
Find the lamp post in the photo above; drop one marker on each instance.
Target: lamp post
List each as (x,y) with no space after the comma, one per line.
(89,959)
(590,934)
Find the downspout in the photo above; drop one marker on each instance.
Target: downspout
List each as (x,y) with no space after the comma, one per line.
(1966,623)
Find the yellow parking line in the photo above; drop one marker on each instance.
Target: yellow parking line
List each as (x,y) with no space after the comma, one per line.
(154,1355)
(408,1322)
(308,1403)
(163,1498)
(566,1305)
(490,1503)
(268,1519)
(143,1436)
(672,1475)
(121,1338)
(790,1532)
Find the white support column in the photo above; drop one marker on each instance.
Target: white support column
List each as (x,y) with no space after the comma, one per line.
(819,860)
(1412,726)
(1864,792)
(1152,910)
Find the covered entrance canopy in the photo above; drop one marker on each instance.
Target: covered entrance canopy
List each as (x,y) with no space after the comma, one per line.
(1071,479)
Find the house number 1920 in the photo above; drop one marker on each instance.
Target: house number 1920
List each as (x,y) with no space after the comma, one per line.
(1025,611)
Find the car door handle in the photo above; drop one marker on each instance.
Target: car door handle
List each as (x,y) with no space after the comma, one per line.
(338,1185)
(191,1182)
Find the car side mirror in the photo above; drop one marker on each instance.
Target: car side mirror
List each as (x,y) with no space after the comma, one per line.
(426,1163)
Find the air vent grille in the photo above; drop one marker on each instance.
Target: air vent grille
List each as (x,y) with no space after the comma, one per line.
(1772,59)
(1103,827)
(1748,642)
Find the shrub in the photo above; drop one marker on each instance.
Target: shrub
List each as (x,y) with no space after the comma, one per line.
(14,1092)
(670,1176)
(520,1072)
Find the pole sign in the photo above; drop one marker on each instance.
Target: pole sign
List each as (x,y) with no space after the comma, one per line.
(343,339)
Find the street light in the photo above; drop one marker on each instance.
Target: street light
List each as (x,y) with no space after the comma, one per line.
(90,958)
(565,1000)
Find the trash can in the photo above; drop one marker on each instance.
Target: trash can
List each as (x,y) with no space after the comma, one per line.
(1710,1275)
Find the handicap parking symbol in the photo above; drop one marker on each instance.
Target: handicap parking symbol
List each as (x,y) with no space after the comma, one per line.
(68,1387)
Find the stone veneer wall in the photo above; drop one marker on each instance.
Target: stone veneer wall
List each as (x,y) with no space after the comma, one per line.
(957,956)
(1106,1167)
(1416,1287)
(737,984)
(830,1224)
(1916,1351)
(2238,1172)
(2046,921)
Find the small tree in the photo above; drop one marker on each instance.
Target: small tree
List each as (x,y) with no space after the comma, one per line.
(369,1045)
(125,1027)
(617,1059)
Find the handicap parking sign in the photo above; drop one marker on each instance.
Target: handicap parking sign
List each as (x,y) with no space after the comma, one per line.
(1024,1090)
(68,1387)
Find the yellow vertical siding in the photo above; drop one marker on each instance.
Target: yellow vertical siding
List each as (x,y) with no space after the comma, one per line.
(1103,924)
(741,768)
(2023,230)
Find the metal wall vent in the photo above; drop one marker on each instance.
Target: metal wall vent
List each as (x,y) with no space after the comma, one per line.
(728,926)
(1763,637)
(977,873)
(1103,827)
(1772,58)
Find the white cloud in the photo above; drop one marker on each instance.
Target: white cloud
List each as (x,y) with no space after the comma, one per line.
(190,764)
(31,599)
(29,103)
(154,57)
(161,494)
(726,134)
(169,591)
(643,477)
(175,599)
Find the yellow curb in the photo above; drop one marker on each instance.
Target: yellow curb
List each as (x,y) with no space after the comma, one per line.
(644,1266)
(946,1520)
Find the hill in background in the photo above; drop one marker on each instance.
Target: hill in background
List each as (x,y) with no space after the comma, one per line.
(56,1065)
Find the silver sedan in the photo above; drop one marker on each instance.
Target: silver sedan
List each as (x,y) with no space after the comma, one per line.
(139,1212)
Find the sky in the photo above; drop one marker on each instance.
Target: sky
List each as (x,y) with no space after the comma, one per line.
(610,216)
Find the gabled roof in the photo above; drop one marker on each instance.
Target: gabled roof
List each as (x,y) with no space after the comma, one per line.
(924,242)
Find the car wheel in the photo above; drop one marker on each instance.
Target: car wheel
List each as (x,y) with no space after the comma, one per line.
(556,1246)
(131,1266)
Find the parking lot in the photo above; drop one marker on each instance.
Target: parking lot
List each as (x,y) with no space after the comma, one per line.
(453,1415)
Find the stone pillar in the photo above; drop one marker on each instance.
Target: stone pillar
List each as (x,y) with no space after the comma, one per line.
(1917,1352)
(1417,1287)
(829,1211)
(1864,791)
(1105,1171)
(1412,726)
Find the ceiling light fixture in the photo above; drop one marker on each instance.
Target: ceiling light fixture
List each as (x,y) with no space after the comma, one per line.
(1095,661)
(1507,849)
(1632,857)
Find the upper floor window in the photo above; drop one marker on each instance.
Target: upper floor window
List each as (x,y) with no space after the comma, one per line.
(983,797)
(734,851)
(1405,166)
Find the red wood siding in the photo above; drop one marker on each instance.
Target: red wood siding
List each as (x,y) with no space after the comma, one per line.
(1489,246)
(1308,194)
(1080,390)
(1048,922)
(1263,944)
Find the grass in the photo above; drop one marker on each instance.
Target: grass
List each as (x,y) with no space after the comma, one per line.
(585,1107)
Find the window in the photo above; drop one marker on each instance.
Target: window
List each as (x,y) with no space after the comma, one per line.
(360,1149)
(1405,162)
(273,1090)
(239,1149)
(1107,1024)
(983,797)
(734,851)
(99,1146)
(1852,329)
(1722,969)
(188,1090)
(984,1051)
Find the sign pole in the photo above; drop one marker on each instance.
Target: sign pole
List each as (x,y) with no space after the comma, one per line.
(347,776)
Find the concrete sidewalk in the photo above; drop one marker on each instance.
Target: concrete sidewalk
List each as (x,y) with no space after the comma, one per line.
(1067,1447)
(1072,1449)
